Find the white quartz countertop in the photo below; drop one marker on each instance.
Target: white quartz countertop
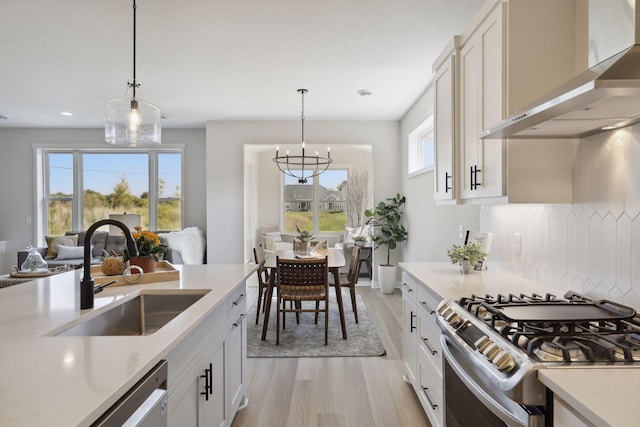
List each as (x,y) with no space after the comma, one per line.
(604,396)
(67,380)
(446,280)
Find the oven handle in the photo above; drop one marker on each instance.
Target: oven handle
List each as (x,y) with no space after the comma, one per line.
(480,393)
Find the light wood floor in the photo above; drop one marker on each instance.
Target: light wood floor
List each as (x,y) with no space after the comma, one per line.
(336,391)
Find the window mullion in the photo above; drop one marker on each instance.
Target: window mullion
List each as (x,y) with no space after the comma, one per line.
(77,211)
(153,190)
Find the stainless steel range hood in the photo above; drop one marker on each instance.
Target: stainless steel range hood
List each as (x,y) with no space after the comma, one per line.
(606,96)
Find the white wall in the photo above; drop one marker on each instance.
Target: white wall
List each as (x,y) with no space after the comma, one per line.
(590,246)
(432,229)
(17,177)
(225,151)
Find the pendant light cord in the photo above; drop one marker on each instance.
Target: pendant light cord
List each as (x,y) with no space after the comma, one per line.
(134,84)
(302,92)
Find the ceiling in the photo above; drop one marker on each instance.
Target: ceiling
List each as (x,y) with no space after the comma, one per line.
(201,60)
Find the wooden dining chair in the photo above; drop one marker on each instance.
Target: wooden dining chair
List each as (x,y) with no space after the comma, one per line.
(349,279)
(263,279)
(300,280)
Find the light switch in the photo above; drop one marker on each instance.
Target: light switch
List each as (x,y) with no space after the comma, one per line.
(517,243)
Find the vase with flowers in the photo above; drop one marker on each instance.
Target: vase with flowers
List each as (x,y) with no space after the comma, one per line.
(149,249)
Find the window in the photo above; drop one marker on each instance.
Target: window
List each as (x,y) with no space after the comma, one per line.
(421,148)
(317,206)
(84,186)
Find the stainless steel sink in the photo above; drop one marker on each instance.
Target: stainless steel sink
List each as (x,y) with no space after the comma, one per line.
(142,315)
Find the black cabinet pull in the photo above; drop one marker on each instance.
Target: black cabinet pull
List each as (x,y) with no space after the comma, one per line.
(426,342)
(475,177)
(240,298)
(424,389)
(447,177)
(413,316)
(239,321)
(471,175)
(211,379)
(206,384)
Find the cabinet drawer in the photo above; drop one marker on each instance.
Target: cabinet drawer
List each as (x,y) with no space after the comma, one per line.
(430,390)
(429,339)
(427,299)
(409,285)
(237,303)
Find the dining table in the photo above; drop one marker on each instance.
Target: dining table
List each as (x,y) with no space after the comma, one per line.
(335,260)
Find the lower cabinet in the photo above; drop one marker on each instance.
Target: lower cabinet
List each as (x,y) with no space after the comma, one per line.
(422,352)
(206,370)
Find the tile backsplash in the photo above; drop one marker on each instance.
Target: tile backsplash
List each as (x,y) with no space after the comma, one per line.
(591,246)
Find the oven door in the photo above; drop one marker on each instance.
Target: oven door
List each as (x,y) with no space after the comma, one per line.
(471,400)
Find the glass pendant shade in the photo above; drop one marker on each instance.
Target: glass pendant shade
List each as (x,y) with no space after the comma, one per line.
(132,122)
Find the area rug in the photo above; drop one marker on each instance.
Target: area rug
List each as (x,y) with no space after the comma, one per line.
(307,338)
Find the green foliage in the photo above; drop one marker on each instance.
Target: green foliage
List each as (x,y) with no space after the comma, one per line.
(97,206)
(387,218)
(329,221)
(471,252)
(303,235)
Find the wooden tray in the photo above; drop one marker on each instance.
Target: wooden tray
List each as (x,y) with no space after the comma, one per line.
(165,272)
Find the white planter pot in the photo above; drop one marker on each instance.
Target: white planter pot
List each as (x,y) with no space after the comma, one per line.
(387,278)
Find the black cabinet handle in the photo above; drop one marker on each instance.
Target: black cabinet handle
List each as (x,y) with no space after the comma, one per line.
(475,177)
(206,384)
(424,389)
(426,342)
(471,175)
(240,298)
(447,177)
(211,379)
(239,321)
(413,316)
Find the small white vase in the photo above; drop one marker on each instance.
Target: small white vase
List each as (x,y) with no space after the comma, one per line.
(387,278)
(466,267)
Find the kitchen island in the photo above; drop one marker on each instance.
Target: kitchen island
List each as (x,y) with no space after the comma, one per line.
(72,380)
(583,395)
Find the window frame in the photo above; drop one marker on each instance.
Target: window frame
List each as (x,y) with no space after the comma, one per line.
(315,203)
(415,147)
(41,193)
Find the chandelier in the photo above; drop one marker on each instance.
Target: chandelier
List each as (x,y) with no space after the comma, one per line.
(131,121)
(294,166)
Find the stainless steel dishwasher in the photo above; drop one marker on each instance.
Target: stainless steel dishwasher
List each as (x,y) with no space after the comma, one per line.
(144,405)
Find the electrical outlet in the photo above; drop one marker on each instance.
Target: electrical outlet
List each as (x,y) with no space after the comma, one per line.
(28,220)
(517,243)
(460,231)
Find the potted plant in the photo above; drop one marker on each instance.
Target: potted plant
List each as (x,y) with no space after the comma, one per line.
(359,240)
(304,237)
(466,255)
(387,220)
(149,249)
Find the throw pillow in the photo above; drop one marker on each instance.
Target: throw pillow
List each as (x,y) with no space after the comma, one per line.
(53,242)
(70,252)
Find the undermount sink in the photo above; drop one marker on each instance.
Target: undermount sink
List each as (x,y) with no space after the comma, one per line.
(142,315)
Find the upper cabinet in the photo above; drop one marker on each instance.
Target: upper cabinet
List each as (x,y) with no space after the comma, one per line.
(514,52)
(446,121)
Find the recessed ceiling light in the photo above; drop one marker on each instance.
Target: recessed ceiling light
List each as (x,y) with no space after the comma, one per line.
(365,92)
(66,113)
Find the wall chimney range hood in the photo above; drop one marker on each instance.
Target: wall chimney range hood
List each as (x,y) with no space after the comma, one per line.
(605,97)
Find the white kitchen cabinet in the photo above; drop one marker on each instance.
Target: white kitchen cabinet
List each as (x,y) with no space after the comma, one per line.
(564,415)
(237,350)
(409,331)
(421,347)
(206,370)
(514,52)
(446,122)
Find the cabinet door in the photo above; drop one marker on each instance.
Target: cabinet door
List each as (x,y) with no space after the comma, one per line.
(469,101)
(481,98)
(213,408)
(444,130)
(237,353)
(490,151)
(409,335)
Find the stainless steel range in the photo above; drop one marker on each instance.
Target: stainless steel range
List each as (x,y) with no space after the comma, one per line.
(494,345)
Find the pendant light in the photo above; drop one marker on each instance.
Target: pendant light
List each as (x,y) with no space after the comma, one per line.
(294,166)
(132,122)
